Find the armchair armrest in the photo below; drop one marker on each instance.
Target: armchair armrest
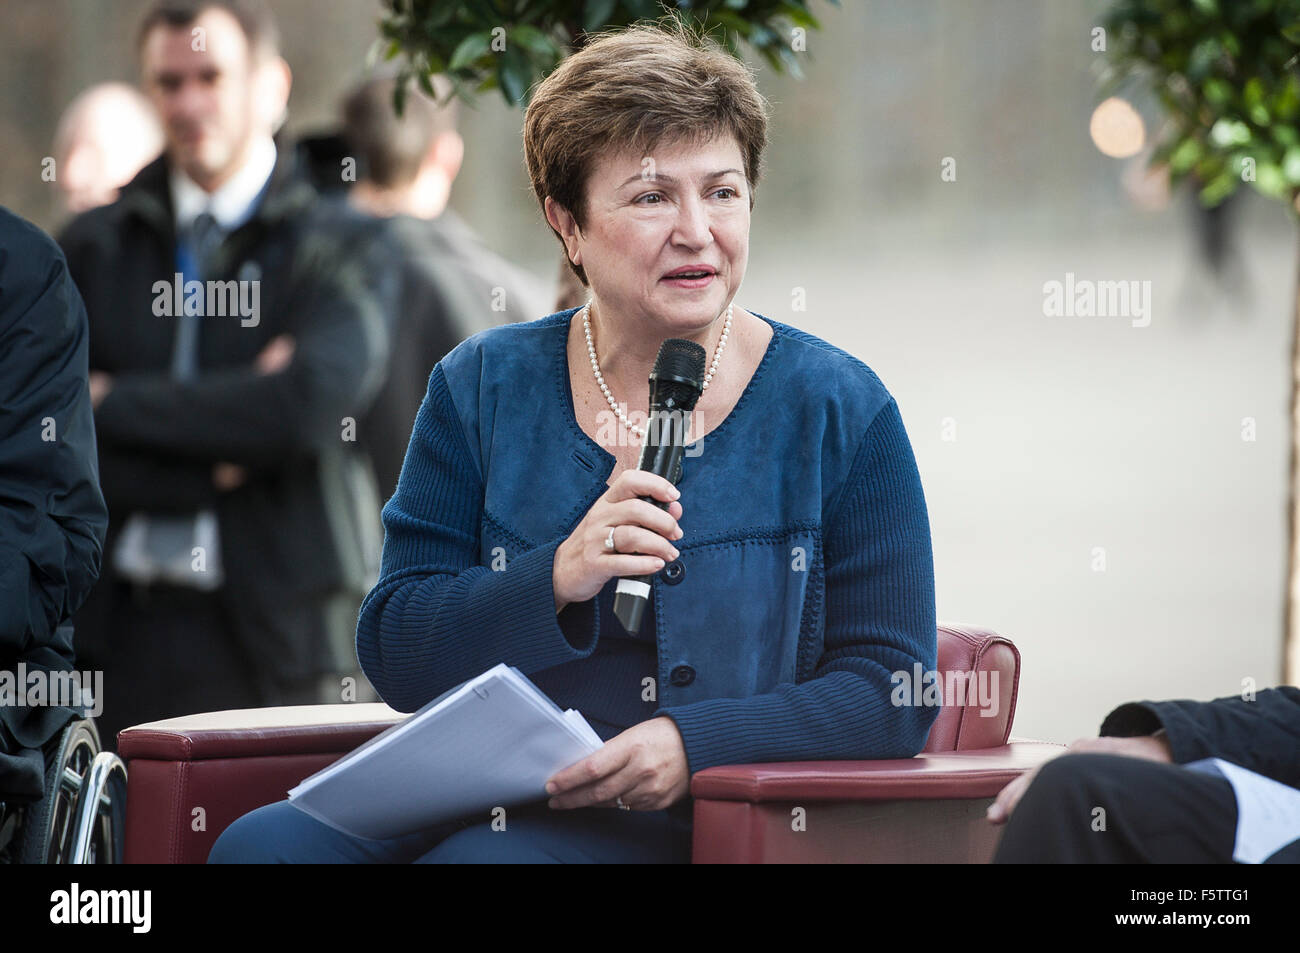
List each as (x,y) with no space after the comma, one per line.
(189,778)
(925,809)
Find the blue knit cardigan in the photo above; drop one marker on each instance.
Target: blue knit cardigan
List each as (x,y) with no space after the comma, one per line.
(805,577)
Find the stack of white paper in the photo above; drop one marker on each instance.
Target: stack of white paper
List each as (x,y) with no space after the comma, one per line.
(492,741)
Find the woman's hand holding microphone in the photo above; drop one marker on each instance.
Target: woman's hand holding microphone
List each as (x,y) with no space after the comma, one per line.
(645,767)
(642,535)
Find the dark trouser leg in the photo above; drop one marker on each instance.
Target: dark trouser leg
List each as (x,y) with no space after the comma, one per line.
(172,654)
(534,833)
(537,834)
(329,674)
(1153,813)
(279,833)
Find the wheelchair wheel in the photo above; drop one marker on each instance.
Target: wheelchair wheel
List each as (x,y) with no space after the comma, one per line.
(76,771)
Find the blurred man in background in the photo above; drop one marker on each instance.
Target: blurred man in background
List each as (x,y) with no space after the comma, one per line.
(105,136)
(452,284)
(235,341)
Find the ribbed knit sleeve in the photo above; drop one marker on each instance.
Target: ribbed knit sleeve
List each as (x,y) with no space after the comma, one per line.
(880,618)
(437,617)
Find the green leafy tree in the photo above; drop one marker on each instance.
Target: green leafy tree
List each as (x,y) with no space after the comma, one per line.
(1225,73)
(511,44)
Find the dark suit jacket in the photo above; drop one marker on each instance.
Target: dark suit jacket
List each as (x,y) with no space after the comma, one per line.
(304,527)
(52,516)
(1262,735)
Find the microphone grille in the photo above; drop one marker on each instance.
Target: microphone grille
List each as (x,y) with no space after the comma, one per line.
(679,372)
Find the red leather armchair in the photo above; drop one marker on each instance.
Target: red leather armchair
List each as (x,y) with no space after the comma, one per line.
(190,777)
(926,809)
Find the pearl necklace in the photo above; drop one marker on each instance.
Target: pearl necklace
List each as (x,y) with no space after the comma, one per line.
(600,378)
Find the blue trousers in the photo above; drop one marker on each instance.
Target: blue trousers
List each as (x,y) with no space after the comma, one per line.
(534,834)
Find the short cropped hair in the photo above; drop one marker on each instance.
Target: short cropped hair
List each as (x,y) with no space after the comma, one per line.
(390,148)
(636,88)
(253,16)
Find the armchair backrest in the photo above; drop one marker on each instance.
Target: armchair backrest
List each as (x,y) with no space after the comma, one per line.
(979,675)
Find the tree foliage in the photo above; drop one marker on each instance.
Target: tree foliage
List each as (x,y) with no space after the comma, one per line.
(512,44)
(1225,72)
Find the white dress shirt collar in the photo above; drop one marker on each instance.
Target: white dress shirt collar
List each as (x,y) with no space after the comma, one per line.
(234,201)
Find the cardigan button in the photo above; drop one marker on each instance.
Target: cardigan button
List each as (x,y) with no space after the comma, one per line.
(673,573)
(682,676)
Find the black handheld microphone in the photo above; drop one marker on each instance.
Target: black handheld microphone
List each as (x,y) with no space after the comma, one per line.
(675,385)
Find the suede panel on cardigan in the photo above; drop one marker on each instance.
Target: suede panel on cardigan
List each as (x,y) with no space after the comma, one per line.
(808,572)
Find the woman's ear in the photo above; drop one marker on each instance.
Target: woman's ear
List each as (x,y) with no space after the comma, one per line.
(566,227)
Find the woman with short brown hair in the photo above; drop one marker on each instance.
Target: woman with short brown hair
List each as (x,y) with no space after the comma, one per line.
(791,568)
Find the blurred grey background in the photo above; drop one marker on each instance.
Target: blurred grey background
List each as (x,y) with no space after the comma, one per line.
(1043,442)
